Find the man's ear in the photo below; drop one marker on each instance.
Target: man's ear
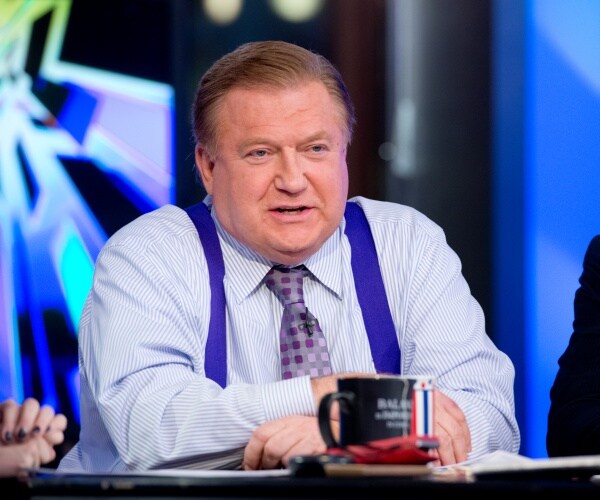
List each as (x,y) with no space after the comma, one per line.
(205,166)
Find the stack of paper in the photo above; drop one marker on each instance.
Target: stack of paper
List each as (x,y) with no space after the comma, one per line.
(504,464)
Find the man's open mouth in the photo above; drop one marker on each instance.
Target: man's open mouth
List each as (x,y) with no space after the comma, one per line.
(291,210)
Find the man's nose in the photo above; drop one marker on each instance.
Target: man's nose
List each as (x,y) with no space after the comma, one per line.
(290,174)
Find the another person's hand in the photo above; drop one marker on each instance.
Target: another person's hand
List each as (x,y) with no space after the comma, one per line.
(450,427)
(28,434)
(275,442)
(33,453)
(18,423)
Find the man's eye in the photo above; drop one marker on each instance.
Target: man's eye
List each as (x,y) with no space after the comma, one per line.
(317,148)
(259,153)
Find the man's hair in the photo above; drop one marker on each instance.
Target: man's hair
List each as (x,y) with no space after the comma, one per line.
(262,65)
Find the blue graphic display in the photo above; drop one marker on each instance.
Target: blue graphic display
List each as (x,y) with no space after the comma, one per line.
(84,149)
(547,182)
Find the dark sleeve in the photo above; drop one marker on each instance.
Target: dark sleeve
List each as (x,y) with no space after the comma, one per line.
(574,417)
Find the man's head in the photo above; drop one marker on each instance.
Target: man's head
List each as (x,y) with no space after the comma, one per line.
(264,64)
(272,124)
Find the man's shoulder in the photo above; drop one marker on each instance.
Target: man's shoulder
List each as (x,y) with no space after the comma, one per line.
(150,228)
(389,214)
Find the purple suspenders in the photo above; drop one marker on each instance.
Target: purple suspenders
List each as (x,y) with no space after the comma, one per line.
(215,358)
(371,293)
(367,279)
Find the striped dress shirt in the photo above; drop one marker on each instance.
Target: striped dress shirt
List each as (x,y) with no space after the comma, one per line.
(145,400)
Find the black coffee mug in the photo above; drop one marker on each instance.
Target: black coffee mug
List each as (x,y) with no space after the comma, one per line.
(378,408)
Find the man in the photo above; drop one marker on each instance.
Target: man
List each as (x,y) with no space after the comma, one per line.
(272,123)
(574,417)
(28,435)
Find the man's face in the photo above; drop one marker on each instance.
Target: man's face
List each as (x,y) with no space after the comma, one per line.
(279,178)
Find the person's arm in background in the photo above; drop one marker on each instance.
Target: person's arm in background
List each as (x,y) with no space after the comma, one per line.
(29,433)
(574,416)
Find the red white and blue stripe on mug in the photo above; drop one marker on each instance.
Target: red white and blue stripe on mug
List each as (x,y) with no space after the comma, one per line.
(422,407)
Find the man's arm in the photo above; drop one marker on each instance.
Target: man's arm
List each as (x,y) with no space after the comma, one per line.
(444,334)
(142,345)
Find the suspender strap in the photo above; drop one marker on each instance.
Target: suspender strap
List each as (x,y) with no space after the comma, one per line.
(367,280)
(371,292)
(215,356)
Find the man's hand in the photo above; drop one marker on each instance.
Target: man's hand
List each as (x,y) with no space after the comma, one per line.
(275,442)
(451,428)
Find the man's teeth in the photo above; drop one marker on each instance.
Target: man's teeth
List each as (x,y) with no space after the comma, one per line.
(287,210)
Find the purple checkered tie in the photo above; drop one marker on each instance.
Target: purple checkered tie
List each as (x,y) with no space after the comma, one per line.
(303,346)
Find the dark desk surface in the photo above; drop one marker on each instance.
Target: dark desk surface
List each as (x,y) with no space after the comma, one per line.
(293,487)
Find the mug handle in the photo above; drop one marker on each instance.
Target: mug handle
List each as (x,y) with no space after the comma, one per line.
(345,399)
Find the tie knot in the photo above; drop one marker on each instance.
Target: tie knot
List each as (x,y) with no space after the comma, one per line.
(287,283)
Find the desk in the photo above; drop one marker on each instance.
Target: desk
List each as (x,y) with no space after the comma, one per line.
(293,487)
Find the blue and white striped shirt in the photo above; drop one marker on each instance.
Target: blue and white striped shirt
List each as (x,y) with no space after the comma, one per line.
(145,400)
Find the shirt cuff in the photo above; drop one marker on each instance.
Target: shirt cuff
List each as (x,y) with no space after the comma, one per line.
(288,397)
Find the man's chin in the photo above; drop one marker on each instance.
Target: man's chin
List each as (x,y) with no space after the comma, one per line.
(291,254)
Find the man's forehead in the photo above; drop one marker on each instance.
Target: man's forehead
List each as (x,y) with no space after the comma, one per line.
(315,95)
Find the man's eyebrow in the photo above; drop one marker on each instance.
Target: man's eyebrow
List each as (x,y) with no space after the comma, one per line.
(317,136)
(320,135)
(255,140)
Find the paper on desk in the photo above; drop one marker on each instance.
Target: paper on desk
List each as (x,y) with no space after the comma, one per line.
(217,465)
(502,461)
(189,473)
